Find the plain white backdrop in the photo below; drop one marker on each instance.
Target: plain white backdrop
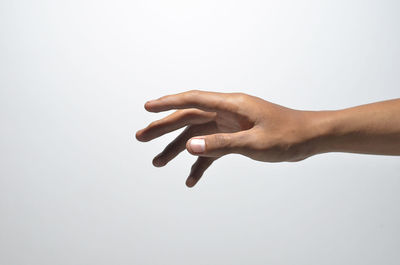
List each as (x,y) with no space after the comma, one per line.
(77,188)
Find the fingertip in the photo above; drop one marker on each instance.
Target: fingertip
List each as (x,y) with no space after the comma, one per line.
(151,106)
(141,137)
(138,135)
(190,182)
(158,162)
(147,105)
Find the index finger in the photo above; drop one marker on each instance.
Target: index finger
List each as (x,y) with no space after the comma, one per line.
(204,100)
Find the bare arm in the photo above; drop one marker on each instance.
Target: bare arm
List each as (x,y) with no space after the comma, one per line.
(221,123)
(371,129)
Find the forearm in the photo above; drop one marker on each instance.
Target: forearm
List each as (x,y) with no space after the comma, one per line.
(370,129)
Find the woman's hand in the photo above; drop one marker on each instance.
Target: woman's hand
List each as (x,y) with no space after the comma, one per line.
(224,123)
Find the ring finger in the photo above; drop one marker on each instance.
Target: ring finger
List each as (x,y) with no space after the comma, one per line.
(179,143)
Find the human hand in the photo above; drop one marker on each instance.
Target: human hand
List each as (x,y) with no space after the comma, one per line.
(224,123)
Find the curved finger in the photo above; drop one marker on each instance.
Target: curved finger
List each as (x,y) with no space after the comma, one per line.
(198,169)
(204,100)
(174,121)
(179,143)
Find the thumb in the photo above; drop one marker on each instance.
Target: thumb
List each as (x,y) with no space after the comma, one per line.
(217,145)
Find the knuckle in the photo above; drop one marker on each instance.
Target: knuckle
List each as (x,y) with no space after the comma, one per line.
(193,167)
(212,116)
(241,97)
(197,116)
(194,91)
(153,124)
(239,94)
(189,114)
(235,101)
(192,94)
(169,148)
(221,140)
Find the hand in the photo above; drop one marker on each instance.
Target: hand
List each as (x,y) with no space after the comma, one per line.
(224,123)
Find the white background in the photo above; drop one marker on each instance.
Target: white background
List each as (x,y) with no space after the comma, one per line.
(77,188)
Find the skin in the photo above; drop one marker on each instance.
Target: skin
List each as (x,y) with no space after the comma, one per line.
(264,131)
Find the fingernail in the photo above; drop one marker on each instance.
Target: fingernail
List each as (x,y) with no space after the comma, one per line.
(197,145)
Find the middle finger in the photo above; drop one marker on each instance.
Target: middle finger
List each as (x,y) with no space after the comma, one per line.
(174,121)
(179,143)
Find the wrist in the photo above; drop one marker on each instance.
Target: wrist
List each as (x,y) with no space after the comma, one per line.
(323,128)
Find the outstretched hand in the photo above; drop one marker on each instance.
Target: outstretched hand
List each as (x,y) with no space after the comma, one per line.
(222,123)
